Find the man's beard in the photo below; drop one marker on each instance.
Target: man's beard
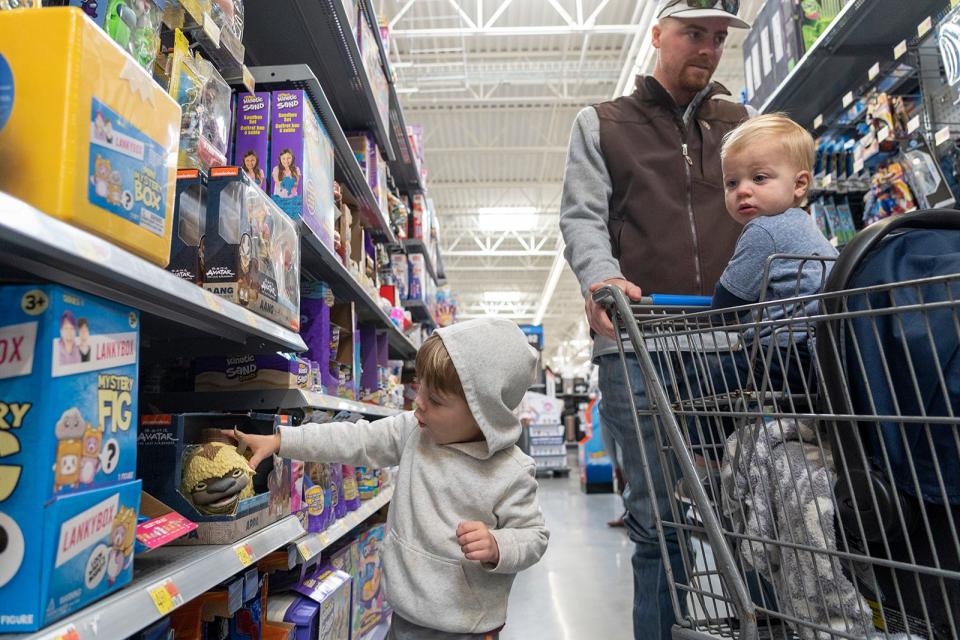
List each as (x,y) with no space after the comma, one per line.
(695,78)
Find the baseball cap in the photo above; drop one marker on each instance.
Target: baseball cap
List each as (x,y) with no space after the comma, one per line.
(690,9)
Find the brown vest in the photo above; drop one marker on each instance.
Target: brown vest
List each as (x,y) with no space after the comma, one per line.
(668,224)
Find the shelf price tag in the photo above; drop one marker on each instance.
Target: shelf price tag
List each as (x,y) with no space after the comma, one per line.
(244,554)
(165,596)
(848,99)
(68,632)
(924,27)
(858,165)
(248,81)
(874,71)
(818,121)
(883,134)
(211,30)
(914,123)
(827,180)
(899,50)
(942,136)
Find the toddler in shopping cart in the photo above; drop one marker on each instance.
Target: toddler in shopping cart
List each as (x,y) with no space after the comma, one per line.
(465,517)
(767,172)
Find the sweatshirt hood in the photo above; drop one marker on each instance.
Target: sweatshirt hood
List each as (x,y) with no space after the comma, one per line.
(496,366)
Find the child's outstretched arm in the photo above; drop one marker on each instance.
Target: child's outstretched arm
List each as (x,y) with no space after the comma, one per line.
(521,535)
(365,444)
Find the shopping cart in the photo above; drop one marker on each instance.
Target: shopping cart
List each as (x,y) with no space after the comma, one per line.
(813,444)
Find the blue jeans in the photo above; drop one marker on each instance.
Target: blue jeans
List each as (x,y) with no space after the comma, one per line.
(653,613)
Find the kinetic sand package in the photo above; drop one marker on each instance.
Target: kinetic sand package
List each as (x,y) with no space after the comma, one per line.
(87,135)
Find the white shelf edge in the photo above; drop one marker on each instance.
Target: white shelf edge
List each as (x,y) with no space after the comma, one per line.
(312,545)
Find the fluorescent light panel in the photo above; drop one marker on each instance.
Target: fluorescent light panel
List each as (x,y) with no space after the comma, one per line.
(508,218)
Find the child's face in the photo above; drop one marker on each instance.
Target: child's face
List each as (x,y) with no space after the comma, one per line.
(68,334)
(762,181)
(84,335)
(250,162)
(447,418)
(286,160)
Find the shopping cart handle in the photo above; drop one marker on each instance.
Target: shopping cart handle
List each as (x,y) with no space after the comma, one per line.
(677,300)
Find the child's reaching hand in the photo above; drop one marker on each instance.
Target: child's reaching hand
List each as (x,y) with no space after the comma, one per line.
(262,446)
(477,543)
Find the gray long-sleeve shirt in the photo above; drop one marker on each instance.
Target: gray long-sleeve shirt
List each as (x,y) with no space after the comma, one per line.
(585,212)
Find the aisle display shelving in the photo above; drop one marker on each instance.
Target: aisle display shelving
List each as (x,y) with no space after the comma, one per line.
(263,400)
(863,32)
(193,570)
(41,246)
(318,33)
(347,170)
(420,312)
(404,169)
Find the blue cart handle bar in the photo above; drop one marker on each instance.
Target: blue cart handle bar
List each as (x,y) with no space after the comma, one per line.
(670,300)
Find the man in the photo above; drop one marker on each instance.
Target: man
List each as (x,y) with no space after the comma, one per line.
(643,209)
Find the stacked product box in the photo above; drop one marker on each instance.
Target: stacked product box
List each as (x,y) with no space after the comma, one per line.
(371,163)
(109,164)
(319,606)
(360,558)
(418,278)
(68,386)
(252,143)
(370,53)
(302,163)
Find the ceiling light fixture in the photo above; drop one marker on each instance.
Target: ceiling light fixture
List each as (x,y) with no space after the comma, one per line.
(508,218)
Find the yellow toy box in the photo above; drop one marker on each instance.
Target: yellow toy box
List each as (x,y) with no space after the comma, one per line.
(87,135)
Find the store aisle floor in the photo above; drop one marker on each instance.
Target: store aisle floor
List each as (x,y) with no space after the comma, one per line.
(582,588)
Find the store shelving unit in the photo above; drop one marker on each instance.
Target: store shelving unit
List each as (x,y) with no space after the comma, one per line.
(266,400)
(348,172)
(318,33)
(420,312)
(419,246)
(36,245)
(319,261)
(312,545)
(193,570)
(404,169)
(548,448)
(863,33)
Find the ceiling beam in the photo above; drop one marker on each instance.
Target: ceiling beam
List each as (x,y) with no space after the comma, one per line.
(503,150)
(514,32)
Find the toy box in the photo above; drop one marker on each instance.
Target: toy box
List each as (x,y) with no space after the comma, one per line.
(108,165)
(297,505)
(133,24)
(185,463)
(345,343)
(401,274)
(331,589)
(296,610)
(64,554)
(301,161)
(416,289)
(315,329)
(251,250)
(276,371)
(361,559)
(189,221)
(317,496)
(351,492)
(68,381)
(336,492)
(251,149)
(596,467)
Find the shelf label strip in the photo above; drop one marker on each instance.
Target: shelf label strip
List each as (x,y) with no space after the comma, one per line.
(166,596)
(244,554)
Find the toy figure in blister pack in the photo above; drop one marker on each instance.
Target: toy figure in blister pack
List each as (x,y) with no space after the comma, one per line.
(122,535)
(215,477)
(214,113)
(135,26)
(369,571)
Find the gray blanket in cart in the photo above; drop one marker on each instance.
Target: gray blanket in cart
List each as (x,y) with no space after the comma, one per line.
(777,487)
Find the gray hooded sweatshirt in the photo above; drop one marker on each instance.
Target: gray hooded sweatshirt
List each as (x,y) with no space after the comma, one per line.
(427,579)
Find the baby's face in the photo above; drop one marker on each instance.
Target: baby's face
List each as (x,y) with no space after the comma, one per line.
(446,417)
(762,181)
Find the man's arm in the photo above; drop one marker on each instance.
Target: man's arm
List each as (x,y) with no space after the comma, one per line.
(585,205)
(365,444)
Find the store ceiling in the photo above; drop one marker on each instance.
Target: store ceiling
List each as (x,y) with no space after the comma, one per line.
(496,85)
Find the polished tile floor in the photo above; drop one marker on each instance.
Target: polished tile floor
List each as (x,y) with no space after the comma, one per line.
(582,588)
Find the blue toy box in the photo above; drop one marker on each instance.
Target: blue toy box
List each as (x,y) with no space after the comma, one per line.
(596,466)
(61,556)
(68,406)
(68,384)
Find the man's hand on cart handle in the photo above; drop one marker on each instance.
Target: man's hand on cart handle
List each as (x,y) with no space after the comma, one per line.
(597,316)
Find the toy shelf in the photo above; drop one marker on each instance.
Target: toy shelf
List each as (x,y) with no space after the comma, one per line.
(312,545)
(193,570)
(404,169)
(317,260)
(863,33)
(420,312)
(347,170)
(419,246)
(318,33)
(33,244)
(266,400)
